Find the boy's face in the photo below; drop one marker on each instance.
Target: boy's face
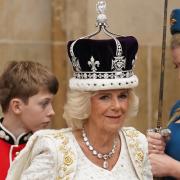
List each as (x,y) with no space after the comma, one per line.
(37,113)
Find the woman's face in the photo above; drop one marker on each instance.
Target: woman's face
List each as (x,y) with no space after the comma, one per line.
(109,109)
(176,59)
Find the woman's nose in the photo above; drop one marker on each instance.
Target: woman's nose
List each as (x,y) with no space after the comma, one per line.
(115,104)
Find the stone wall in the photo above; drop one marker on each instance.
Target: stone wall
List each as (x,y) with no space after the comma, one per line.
(25,31)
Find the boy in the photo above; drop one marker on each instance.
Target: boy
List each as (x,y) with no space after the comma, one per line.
(26,92)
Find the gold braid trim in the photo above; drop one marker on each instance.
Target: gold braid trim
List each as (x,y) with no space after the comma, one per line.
(65,169)
(138,153)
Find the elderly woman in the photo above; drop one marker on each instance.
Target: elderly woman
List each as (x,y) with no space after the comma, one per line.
(100,99)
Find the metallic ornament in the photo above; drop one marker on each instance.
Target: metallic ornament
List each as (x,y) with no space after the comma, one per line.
(99,155)
(100,8)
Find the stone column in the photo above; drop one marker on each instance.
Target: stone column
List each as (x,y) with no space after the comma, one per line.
(59,65)
(67,16)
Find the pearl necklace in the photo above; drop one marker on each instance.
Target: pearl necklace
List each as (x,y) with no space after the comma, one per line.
(99,155)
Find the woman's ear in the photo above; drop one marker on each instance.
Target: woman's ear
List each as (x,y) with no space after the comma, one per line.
(16,105)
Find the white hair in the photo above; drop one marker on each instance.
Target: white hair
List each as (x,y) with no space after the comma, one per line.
(77,107)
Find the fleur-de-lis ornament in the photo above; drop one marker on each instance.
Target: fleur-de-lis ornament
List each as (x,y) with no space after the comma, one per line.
(93,64)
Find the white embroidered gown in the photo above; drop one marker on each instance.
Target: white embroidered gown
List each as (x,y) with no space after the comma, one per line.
(123,169)
(56,155)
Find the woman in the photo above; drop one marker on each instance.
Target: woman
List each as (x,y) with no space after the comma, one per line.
(100,99)
(167,164)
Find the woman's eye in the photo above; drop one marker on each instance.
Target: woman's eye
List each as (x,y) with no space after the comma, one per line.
(123,96)
(104,97)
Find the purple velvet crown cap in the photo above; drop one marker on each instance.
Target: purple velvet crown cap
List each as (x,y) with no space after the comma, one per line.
(103,64)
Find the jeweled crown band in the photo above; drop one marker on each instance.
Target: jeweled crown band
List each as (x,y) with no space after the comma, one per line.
(103,75)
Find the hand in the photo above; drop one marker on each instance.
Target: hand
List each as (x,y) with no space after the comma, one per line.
(164,165)
(156,143)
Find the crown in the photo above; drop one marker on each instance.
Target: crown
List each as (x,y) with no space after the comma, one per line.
(103,64)
(100,64)
(175,21)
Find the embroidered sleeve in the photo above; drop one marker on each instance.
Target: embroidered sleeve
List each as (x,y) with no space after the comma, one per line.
(141,153)
(48,155)
(147,174)
(138,147)
(42,163)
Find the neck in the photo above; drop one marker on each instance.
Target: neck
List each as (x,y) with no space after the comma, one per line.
(102,153)
(100,139)
(13,125)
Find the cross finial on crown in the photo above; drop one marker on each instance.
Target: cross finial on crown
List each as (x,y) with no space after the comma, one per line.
(101,7)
